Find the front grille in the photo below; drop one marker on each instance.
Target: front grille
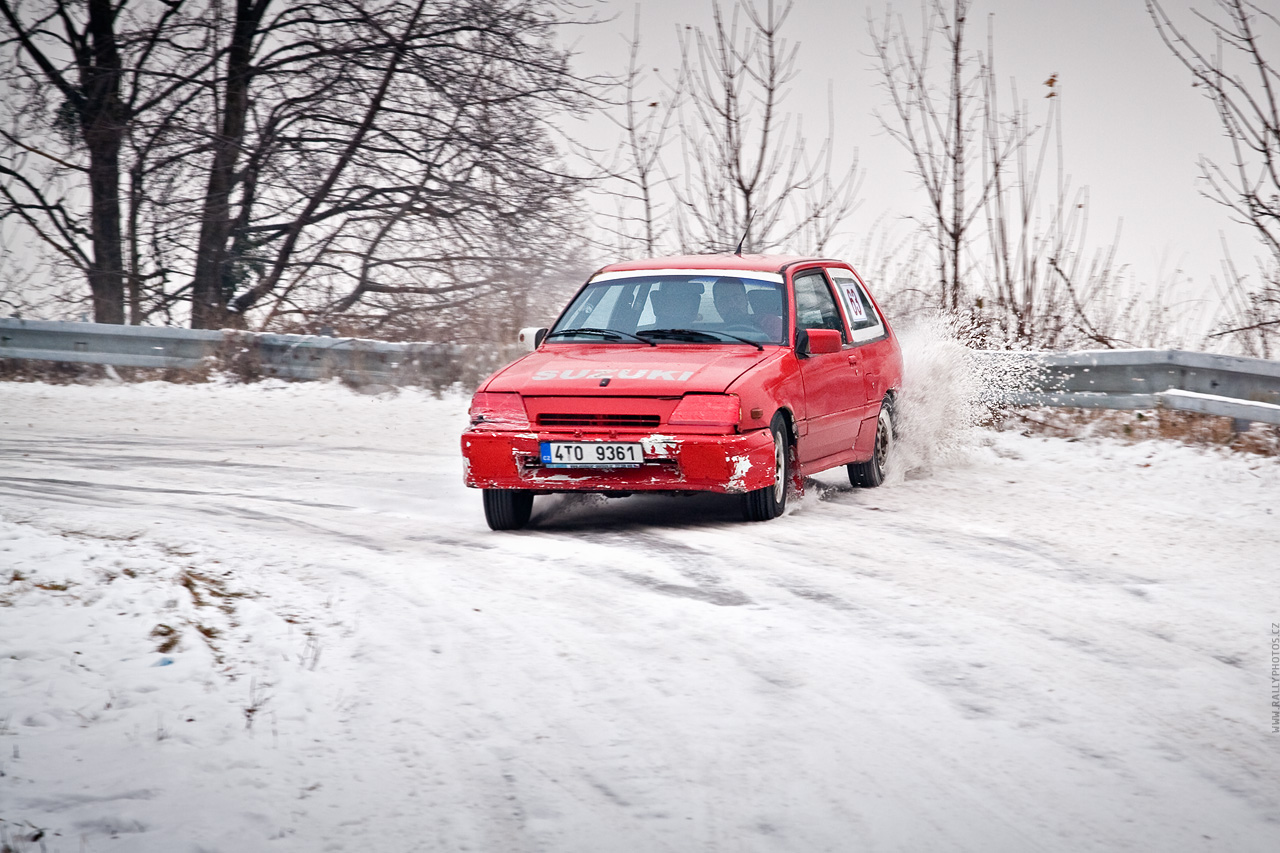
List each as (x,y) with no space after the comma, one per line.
(561,419)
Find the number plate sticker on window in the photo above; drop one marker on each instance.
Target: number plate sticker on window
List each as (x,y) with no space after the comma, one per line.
(591,454)
(856,311)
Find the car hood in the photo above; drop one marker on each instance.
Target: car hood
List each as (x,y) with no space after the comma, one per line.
(668,370)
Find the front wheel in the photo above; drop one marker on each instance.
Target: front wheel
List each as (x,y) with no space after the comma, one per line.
(871,473)
(507,509)
(769,502)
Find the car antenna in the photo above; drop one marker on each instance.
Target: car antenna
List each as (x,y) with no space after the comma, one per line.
(738,252)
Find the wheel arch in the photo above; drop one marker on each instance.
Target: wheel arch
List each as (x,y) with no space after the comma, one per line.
(788,418)
(890,399)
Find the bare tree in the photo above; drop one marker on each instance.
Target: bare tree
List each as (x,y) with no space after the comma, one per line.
(447,173)
(89,80)
(208,299)
(1007,260)
(1034,265)
(1236,74)
(748,176)
(632,176)
(941,127)
(287,159)
(81,71)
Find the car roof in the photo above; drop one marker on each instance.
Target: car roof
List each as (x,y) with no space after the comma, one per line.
(746,263)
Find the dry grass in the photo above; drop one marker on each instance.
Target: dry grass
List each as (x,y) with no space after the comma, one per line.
(204,588)
(168,636)
(72,373)
(1134,426)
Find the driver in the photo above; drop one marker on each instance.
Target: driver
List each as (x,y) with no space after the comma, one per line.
(675,305)
(730,296)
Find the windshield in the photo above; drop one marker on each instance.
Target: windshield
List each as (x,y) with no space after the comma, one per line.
(702,308)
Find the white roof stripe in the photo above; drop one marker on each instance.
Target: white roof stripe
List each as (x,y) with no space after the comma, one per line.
(774,277)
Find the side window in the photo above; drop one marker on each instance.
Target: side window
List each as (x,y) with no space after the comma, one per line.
(863,319)
(815,306)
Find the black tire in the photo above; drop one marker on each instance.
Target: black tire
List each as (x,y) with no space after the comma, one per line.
(507,509)
(869,474)
(769,502)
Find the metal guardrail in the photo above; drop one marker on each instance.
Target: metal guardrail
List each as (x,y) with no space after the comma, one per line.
(285,356)
(1247,389)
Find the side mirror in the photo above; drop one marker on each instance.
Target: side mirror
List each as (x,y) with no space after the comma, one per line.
(818,341)
(531,338)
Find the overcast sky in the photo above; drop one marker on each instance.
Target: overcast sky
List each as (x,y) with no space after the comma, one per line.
(1133,125)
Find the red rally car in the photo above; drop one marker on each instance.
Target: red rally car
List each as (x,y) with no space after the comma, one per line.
(715,373)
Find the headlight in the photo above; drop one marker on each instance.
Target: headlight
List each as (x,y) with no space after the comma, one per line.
(498,411)
(707,410)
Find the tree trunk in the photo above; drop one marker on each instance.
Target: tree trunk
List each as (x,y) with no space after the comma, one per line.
(250,297)
(958,156)
(102,122)
(209,290)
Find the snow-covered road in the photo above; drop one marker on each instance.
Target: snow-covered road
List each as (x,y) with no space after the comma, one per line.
(1053,645)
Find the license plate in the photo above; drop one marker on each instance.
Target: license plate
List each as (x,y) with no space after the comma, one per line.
(591,454)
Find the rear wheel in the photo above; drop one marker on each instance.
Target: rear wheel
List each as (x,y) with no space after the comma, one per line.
(507,509)
(769,502)
(871,473)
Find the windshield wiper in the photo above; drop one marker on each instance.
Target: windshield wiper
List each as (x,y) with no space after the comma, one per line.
(696,335)
(611,334)
(755,344)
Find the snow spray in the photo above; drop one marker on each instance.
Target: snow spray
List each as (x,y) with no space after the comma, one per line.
(948,391)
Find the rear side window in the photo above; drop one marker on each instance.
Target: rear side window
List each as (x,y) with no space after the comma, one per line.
(863,319)
(815,306)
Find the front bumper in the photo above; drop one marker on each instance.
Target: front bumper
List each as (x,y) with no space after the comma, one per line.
(730,464)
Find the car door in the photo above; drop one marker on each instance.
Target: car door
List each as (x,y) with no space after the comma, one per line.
(834,389)
(869,344)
